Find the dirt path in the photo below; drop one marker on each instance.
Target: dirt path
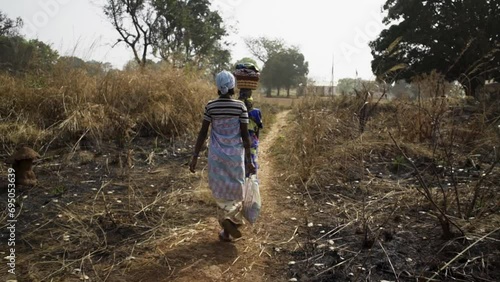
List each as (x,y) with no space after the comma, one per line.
(197,255)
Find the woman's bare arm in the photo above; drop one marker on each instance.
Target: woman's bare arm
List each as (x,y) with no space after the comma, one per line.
(202,136)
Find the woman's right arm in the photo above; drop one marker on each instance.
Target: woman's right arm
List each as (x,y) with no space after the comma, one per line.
(202,136)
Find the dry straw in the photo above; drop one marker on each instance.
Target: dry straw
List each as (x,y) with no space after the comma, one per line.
(63,105)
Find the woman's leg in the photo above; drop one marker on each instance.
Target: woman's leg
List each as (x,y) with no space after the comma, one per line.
(230,216)
(231,210)
(254,149)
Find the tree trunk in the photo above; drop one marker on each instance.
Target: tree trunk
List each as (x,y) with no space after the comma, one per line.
(279,88)
(288,92)
(268,92)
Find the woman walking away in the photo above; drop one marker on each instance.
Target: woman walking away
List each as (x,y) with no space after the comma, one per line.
(228,154)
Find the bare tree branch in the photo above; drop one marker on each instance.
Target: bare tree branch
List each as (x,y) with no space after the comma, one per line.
(138,37)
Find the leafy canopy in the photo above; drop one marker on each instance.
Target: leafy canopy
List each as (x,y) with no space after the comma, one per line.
(186,30)
(457,38)
(181,32)
(285,69)
(8,26)
(20,55)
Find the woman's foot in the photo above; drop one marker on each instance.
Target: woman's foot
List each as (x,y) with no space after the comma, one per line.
(224,237)
(231,228)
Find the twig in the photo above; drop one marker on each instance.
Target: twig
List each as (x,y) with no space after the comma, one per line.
(306,185)
(39,227)
(334,231)
(291,238)
(96,273)
(389,259)
(226,271)
(311,258)
(235,260)
(79,140)
(262,249)
(331,268)
(478,186)
(99,191)
(157,198)
(426,191)
(132,251)
(110,270)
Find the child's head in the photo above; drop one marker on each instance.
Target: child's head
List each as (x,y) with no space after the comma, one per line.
(245,93)
(249,103)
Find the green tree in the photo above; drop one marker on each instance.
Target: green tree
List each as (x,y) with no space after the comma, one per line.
(286,69)
(187,31)
(401,88)
(219,60)
(346,86)
(20,55)
(71,62)
(96,68)
(271,75)
(181,32)
(13,53)
(8,26)
(295,70)
(458,39)
(93,68)
(132,65)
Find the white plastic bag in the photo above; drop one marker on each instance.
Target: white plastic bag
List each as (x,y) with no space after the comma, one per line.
(251,199)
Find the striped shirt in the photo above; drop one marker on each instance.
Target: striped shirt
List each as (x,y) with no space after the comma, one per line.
(226,108)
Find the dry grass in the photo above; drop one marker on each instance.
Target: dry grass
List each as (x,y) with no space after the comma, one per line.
(68,105)
(105,215)
(364,181)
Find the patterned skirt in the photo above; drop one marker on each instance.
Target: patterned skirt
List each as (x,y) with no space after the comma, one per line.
(226,170)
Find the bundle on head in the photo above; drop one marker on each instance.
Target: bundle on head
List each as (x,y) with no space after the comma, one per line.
(247,76)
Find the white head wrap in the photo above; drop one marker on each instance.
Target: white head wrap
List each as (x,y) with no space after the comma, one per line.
(225,81)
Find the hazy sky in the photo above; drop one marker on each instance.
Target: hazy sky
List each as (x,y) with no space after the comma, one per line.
(320,28)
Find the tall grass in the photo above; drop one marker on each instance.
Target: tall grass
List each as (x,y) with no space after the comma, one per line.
(67,105)
(440,135)
(362,167)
